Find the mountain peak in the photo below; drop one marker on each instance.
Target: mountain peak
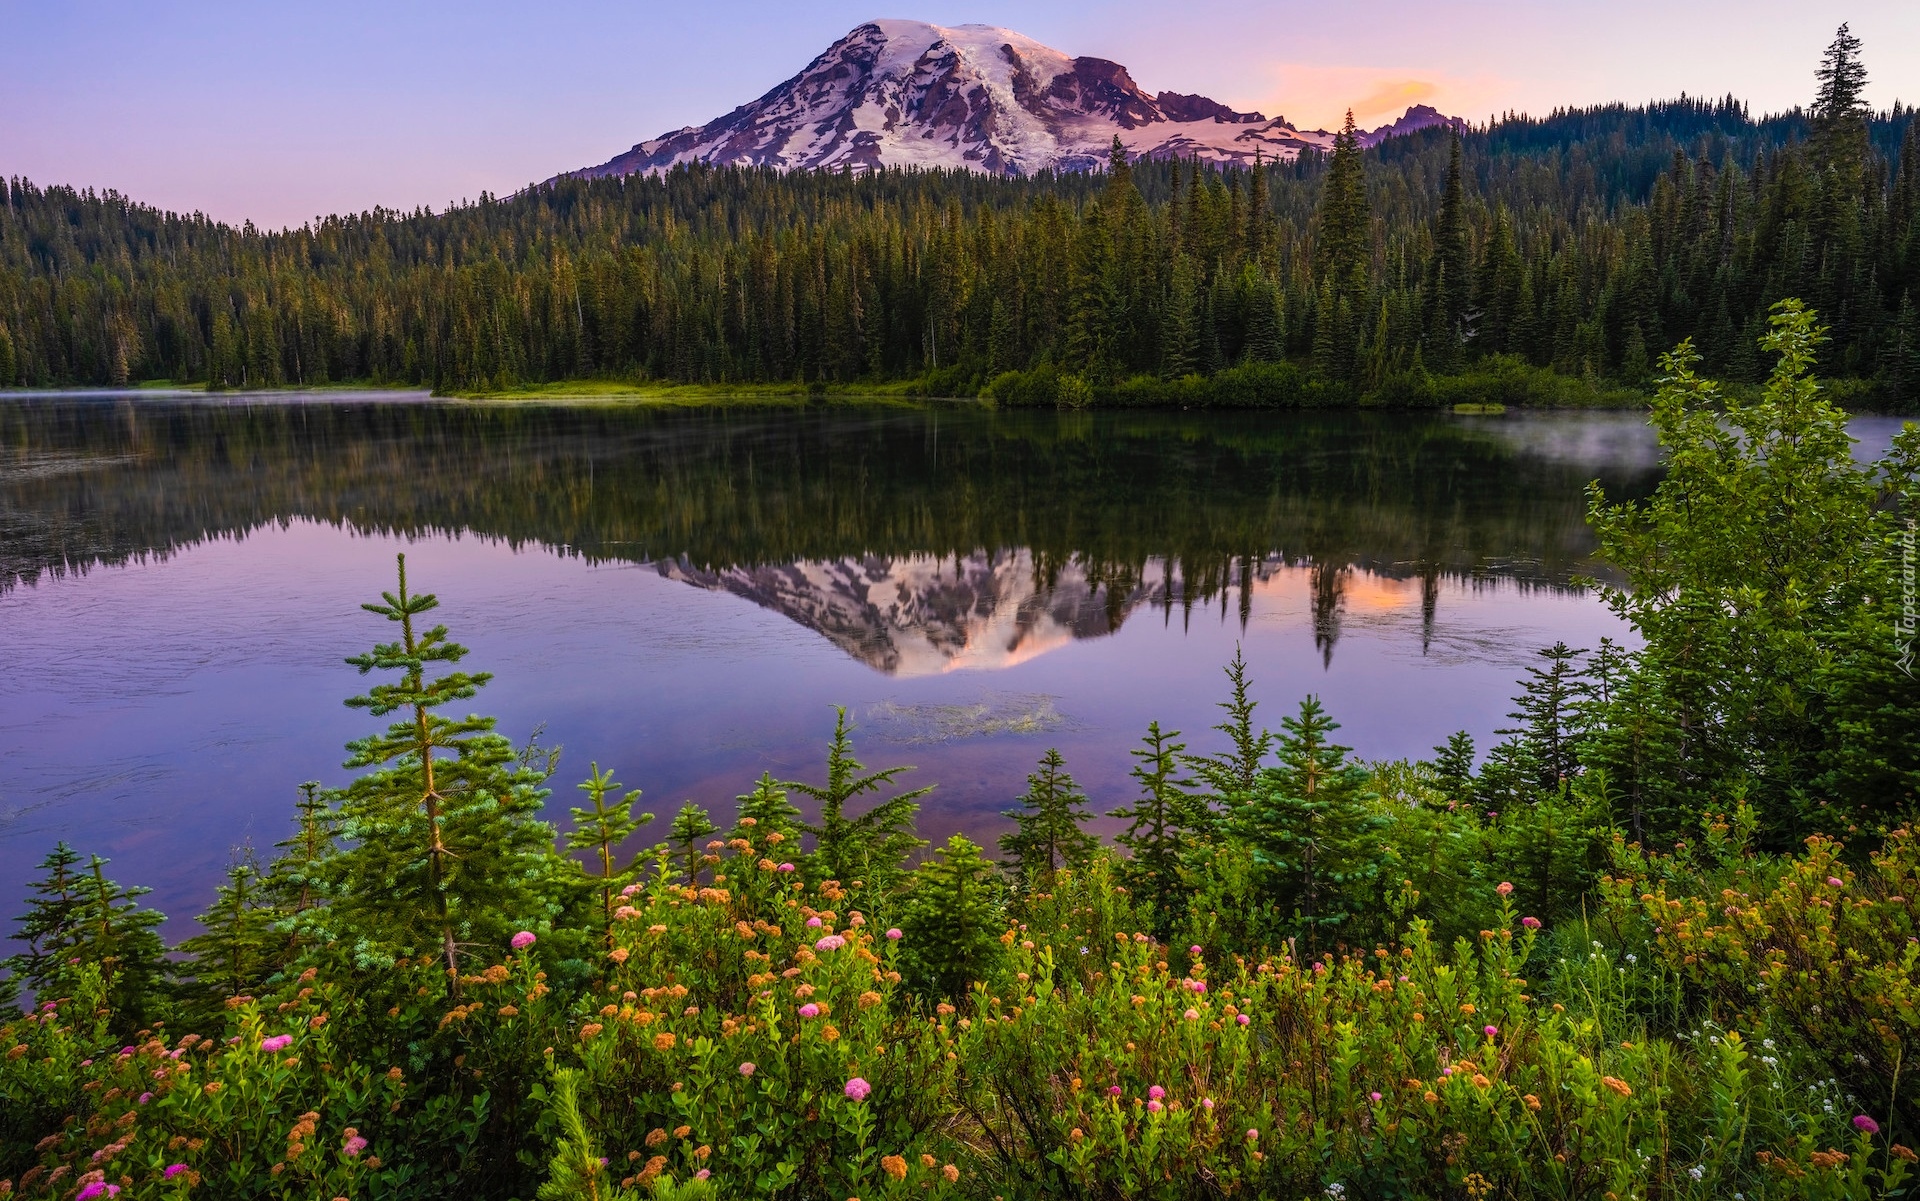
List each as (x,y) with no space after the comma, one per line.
(896,93)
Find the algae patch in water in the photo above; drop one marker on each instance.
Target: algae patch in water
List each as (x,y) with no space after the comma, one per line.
(993,713)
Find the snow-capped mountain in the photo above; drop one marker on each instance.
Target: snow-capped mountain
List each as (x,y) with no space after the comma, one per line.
(905,93)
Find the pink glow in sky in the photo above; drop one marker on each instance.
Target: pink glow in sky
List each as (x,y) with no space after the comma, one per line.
(279,112)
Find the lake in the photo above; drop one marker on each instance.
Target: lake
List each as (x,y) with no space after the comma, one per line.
(685,595)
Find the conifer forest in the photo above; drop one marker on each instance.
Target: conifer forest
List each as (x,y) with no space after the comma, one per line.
(1658,939)
(1537,259)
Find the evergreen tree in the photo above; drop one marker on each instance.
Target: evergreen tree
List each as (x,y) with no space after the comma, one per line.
(237,951)
(1345,240)
(690,825)
(51,926)
(872,847)
(445,842)
(119,936)
(1313,829)
(1230,778)
(294,881)
(951,921)
(601,828)
(770,811)
(1453,765)
(1048,833)
(1452,264)
(1160,826)
(1549,713)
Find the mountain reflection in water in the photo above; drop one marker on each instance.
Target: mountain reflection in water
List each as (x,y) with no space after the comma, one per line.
(917,541)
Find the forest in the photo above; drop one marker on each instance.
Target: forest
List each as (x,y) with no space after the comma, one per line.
(1529,261)
(1659,940)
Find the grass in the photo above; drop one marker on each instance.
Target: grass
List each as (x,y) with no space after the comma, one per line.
(603,391)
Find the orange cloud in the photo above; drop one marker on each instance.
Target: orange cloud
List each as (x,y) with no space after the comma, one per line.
(1319,94)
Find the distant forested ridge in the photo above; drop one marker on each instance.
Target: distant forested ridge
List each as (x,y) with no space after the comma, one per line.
(1585,242)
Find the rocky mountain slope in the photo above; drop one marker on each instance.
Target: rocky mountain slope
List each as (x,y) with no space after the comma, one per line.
(905,93)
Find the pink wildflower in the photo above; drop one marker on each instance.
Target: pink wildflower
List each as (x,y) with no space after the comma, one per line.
(145,1097)
(1253,1136)
(1193,1015)
(786,867)
(1156,1092)
(278,1042)
(1835,882)
(1154,1107)
(1206,1103)
(1531,923)
(1505,889)
(1374,1097)
(1243,1019)
(809,1010)
(1193,950)
(831,942)
(1492,1030)
(748,1069)
(523,940)
(703,1173)
(893,934)
(174,1169)
(813,923)
(353,1146)
(1866,1125)
(1114,1091)
(858,1089)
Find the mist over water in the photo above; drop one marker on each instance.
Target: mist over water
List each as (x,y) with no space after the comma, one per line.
(684,595)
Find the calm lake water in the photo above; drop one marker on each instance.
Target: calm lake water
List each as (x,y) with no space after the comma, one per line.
(685,595)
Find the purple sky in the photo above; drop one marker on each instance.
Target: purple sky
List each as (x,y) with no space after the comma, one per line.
(278,112)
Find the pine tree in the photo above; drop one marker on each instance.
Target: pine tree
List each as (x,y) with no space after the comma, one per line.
(1549,713)
(872,847)
(951,921)
(236,951)
(1313,829)
(445,845)
(1230,778)
(1048,833)
(294,881)
(119,936)
(1839,140)
(1452,264)
(601,828)
(1160,825)
(51,927)
(690,825)
(1453,765)
(1345,249)
(768,809)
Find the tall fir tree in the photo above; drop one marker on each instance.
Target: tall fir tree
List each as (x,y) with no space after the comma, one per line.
(444,842)
(1230,777)
(1048,832)
(1160,826)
